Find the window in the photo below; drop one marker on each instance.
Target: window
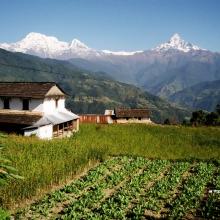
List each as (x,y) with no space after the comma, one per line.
(56,103)
(25,104)
(6,103)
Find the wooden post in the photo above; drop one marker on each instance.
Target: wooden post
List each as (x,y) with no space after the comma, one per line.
(77,124)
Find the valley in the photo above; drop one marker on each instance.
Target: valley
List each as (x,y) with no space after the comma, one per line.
(88,92)
(168,69)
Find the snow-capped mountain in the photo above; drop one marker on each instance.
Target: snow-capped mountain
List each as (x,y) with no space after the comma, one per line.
(50,47)
(165,70)
(177,43)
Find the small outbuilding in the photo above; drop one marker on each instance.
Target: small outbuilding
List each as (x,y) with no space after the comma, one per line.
(129,115)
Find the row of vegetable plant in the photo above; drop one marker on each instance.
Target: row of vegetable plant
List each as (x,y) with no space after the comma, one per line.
(192,190)
(43,207)
(210,208)
(116,206)
(78,208)
(135,188)
(154,198)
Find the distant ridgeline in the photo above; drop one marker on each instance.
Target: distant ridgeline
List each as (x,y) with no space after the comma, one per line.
(88,92)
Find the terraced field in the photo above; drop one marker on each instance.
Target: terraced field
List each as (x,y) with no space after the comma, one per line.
(135,188)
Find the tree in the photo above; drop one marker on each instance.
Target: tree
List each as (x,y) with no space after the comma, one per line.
(212,118)
(198,117)
(167,121)
(217,109)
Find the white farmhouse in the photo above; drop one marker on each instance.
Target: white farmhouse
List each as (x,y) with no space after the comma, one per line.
(35,108)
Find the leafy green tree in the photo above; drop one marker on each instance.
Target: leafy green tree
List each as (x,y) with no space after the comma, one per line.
(186,121)
(218,109)
(198,118)
(167,121)
(212,118)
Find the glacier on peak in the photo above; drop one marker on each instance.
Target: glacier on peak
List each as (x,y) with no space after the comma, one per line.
(50,47)
(121,53)
(177,43)
(76,44)
(45,46)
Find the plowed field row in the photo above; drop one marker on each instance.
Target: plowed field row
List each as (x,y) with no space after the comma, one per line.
(135,188)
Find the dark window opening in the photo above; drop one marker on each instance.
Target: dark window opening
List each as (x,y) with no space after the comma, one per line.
(56,103)
(25,104)
(6,103)
(139,118)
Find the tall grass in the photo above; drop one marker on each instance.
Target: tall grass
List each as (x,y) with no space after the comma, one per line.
(45,163)
(164,142)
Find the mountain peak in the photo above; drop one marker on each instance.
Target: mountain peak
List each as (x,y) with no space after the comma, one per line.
(76,44)
(175,38)
(177,43)
(32,36)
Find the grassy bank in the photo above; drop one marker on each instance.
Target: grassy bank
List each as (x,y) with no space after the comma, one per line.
(47,163)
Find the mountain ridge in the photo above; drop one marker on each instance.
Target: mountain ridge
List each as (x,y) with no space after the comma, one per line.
(50,47)
(88,92)
(163,71)
(205,95)
(176,42)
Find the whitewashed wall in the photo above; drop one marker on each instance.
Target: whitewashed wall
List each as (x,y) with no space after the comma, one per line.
(134,120)
(39,105)
(49,105)
(31,132)
(44,132)
(15,104)
(36,105)
(61,103)
(110,120)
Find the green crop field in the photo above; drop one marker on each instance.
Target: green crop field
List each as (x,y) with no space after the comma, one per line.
(135,188)
(140,170)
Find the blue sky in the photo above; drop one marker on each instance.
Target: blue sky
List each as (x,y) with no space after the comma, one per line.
(114,24)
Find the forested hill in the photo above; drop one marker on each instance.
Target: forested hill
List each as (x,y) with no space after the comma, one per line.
(205,95)
(88,92)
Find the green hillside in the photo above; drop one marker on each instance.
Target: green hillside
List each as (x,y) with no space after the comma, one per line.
(204,95)
(88,92)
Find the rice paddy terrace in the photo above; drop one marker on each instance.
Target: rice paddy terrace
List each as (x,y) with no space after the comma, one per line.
(135,188)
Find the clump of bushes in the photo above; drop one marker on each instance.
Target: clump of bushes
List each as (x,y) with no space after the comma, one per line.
(206,118)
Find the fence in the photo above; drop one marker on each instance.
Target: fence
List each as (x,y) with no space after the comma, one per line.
(97,119)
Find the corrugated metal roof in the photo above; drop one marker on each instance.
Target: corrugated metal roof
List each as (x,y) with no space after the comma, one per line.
(35,119)
(54,119)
